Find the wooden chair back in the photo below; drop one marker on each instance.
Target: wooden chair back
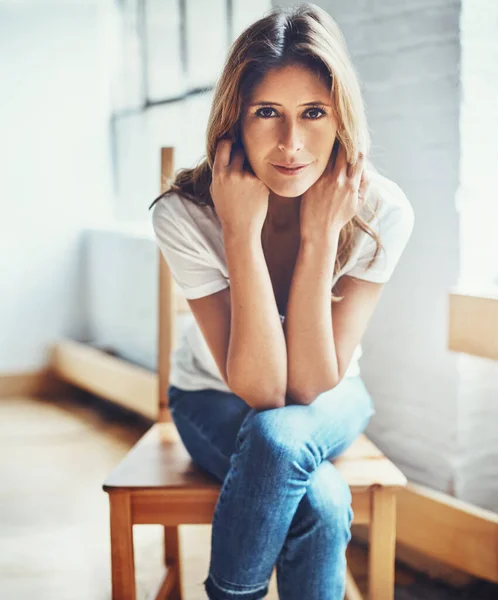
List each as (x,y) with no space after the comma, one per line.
(166,306)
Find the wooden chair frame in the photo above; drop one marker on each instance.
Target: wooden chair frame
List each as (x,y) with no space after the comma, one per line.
(157,482)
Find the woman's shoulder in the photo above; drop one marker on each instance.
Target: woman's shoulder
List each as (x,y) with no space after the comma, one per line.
(386,203)
(185,214)
(392,222)
(174,204)
(388,196)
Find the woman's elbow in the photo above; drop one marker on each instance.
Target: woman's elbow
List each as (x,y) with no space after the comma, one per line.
(258,398)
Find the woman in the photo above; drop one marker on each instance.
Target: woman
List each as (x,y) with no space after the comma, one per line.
(265,388)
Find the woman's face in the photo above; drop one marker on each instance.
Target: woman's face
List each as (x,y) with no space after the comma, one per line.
(277,129)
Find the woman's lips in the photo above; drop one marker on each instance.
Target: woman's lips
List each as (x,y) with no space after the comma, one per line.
(286,171)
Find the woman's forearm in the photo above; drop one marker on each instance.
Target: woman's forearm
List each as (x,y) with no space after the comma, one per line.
(312,365)
(257,355)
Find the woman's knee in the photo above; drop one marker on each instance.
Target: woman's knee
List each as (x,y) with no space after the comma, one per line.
(284,431)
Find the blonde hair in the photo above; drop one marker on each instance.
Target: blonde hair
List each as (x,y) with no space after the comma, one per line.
(304,35)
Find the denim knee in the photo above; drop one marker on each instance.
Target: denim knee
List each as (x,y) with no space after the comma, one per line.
(329,498)
(281,431)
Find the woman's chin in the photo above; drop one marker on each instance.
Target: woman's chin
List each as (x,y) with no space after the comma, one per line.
(289,190)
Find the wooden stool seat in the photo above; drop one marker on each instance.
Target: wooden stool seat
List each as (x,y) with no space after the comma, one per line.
(160,460)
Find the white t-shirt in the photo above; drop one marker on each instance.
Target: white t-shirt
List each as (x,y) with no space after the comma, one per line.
(191,240)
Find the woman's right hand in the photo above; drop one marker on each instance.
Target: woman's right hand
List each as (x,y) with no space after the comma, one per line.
(240,198)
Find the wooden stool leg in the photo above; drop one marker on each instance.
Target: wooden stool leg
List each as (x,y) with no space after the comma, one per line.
(122,557)
(172,559)
(382,545)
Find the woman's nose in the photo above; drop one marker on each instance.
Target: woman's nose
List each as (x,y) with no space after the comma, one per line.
(290,138)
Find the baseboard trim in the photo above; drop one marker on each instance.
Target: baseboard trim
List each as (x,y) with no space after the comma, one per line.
(43,382)
(109,377)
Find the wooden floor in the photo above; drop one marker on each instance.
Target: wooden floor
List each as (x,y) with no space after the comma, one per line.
(54,526)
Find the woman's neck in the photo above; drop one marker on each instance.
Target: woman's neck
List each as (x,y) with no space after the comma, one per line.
(283,213)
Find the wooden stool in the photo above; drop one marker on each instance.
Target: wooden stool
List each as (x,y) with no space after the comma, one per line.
(158,483)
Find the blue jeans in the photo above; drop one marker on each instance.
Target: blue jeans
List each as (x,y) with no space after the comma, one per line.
(282,502)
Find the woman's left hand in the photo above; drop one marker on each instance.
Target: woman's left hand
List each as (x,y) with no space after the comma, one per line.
(334,199)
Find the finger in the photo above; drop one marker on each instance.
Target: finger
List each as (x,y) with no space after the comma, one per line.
(363,180)
(333,155)
(355,170)
(364,183)
(341,163)
(222,156)
(238,155)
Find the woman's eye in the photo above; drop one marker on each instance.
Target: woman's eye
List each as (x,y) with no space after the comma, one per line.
(319,110)
(260,113)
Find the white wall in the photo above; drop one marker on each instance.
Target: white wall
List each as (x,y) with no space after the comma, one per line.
(476,459)
(179,124)
(55,176)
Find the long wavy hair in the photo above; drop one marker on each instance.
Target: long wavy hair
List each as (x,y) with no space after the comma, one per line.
(303,35)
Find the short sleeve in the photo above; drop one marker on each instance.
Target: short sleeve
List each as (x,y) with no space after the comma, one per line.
(394,226)
(188,261)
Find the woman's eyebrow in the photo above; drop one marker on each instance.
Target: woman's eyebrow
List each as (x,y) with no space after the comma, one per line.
(276,103)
